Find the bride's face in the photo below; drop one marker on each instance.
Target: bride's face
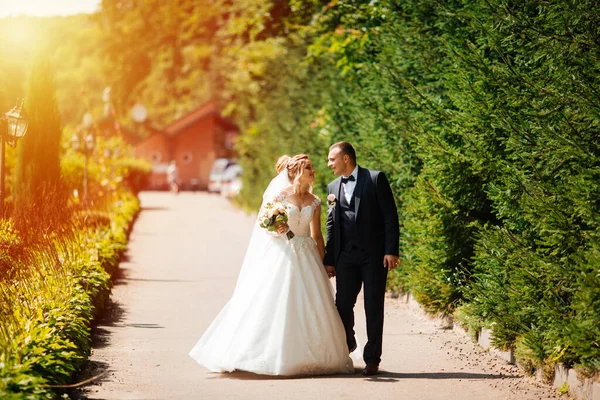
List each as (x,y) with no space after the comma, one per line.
(308,174)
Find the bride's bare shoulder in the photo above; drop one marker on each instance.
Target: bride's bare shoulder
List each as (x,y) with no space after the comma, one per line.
(286,192)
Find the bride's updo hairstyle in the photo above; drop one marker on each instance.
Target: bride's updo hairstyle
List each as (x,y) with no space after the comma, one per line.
(295,167)
(282,163)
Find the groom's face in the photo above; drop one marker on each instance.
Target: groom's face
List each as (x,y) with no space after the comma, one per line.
(337,161)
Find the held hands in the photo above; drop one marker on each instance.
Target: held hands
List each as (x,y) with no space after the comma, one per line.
(390,261)
(330,270)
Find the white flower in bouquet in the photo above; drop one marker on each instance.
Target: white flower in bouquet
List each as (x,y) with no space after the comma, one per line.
(273,215)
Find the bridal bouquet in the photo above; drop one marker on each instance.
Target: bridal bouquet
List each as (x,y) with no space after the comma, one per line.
(272,215)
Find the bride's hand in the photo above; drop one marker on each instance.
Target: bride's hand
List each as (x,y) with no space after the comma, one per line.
(282,229)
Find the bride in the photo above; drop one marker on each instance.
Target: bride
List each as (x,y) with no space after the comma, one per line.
(281,318)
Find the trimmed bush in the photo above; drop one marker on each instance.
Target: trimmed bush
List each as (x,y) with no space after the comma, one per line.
(48,305)
(485,117)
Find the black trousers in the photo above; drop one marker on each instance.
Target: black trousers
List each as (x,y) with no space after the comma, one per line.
(354,268)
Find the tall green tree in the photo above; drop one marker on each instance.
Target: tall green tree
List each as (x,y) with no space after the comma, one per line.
(38,184)
(158,53)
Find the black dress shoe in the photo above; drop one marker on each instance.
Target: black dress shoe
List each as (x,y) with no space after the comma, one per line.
(371,369)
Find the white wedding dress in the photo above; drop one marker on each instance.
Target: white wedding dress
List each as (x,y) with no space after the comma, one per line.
(281,319)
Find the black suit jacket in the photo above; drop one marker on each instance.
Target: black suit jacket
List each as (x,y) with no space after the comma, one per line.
(376,217)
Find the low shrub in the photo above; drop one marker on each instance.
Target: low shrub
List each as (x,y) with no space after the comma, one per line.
(48,305)
(136,173)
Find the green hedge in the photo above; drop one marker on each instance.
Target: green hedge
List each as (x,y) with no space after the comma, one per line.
(485,116)
(51,298)
(105,175)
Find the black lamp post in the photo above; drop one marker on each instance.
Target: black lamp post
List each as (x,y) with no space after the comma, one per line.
(13,126)
(85,145)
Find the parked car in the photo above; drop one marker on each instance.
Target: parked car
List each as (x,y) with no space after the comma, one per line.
(216,173)
(231,184)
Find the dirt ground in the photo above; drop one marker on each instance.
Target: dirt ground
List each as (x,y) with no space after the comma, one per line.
(181,267)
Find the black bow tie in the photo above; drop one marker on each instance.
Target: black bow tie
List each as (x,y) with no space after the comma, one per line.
(350,178)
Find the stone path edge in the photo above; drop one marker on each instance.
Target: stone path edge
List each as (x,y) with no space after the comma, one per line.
(579,388)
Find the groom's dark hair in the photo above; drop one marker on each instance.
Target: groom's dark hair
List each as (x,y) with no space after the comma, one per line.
(345,148)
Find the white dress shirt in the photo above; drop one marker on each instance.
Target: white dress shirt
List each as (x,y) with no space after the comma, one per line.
(350,185)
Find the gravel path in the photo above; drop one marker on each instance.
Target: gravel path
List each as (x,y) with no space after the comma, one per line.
(180,269)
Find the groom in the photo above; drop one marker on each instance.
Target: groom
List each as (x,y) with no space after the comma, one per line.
(362,245)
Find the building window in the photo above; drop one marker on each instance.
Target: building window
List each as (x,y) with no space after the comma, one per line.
(186,158)
(156,157)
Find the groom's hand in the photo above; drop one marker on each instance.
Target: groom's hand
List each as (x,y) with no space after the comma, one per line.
(390,261)
(330,269)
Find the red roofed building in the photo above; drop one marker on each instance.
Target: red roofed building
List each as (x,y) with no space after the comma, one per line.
(194,141)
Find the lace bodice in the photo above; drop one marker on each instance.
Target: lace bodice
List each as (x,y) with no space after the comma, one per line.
(299,220)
